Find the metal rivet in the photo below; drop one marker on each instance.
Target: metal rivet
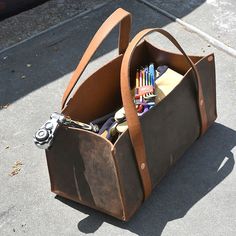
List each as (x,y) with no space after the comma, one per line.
(210,58)
(142,166)
(49,125)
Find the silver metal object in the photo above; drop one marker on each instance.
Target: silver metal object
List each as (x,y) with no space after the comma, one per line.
(43,138)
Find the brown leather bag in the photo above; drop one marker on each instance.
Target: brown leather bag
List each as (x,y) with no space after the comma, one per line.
(117,178)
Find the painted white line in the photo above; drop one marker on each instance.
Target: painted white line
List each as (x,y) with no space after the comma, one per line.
(57,25)
(215,42)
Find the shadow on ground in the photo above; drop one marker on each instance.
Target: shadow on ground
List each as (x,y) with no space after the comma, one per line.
(10,7)
(203,167)
(57,53)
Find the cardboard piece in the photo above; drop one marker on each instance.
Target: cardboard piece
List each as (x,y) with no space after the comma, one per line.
(166,83)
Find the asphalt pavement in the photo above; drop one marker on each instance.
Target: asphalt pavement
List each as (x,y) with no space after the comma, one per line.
(198,195)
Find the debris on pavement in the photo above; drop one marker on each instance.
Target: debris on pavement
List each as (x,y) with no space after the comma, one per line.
(16,168)
(4,106)
(23,77)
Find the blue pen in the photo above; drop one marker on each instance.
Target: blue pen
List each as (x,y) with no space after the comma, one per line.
(152,73)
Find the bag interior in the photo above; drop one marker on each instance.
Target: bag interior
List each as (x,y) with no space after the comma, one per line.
(100,94)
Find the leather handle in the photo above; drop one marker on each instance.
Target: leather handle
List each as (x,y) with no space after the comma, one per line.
(119,16)
(134,124)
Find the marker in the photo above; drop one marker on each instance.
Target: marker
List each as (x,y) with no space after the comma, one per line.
(152,73)
(136,82)
(140,83)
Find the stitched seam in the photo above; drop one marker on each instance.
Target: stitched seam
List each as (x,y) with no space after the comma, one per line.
(121,191)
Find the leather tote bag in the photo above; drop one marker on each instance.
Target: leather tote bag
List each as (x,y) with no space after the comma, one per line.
(116,178)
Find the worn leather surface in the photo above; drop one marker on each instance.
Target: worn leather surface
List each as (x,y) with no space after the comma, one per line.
(82,168)
(89,169)
(168,129)
(130,109)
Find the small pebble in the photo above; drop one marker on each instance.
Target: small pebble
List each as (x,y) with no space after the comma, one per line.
(23,77)
(28,65)
(4,106)
(4,58)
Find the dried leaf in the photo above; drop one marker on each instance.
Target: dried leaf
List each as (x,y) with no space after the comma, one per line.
(16,168)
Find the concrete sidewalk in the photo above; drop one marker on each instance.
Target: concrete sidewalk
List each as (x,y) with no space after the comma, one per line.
(198,195)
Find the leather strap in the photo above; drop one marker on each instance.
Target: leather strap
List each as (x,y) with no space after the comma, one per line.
(119,16)
(134,124)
